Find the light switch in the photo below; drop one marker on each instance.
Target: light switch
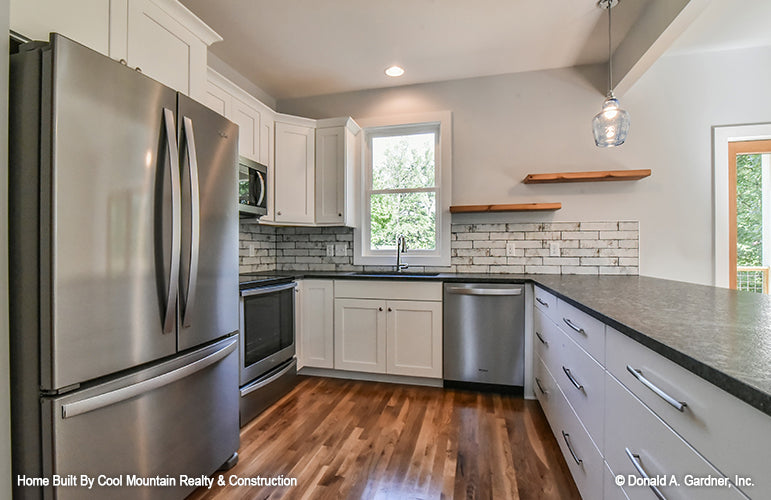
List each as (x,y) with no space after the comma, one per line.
(252,249)
(554,249)
(330,249)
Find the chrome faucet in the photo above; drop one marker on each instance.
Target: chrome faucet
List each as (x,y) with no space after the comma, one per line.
(401,247)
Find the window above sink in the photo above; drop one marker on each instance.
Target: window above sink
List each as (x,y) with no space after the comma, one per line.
(406,189)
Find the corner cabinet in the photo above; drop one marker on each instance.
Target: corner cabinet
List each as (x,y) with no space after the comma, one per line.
(315,163)
(294,173)
(337,151)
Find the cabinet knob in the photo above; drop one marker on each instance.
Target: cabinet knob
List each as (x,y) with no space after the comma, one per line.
(123,62)
(340,215)
(278,213)
(138,69)
(379,308)
(389,309)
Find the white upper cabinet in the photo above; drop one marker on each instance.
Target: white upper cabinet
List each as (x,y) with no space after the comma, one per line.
(294,175)
(164,40)
(161,38)
(85,21)
(336,156)
(254,119)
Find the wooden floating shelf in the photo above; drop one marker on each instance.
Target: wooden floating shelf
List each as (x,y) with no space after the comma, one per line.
(517,207)
(604,175)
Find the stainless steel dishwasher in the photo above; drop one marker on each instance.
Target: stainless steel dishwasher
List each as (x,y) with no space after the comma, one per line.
(484,335)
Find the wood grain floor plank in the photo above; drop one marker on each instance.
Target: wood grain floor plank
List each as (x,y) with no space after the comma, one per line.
(346,439)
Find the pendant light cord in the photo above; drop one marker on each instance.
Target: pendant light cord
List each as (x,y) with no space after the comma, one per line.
(610,52)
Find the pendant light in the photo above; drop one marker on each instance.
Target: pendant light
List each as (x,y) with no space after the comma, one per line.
(611,125)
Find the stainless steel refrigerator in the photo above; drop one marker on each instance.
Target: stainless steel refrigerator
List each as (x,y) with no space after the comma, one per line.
(124,277)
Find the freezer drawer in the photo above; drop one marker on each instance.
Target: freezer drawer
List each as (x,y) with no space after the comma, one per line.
(180,417)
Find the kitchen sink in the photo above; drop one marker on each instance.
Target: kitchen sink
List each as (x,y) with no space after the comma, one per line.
(394,274)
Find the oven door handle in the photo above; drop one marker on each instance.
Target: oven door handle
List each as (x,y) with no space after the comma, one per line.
(267,289)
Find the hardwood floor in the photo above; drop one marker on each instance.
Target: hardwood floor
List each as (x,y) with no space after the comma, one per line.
(352,439)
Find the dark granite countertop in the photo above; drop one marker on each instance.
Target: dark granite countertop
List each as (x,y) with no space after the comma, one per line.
(721,335)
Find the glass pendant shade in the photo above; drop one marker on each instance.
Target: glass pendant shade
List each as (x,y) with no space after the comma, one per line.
(611,125)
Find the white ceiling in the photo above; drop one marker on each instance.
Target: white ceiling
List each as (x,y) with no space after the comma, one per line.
(726,25)
(296,48)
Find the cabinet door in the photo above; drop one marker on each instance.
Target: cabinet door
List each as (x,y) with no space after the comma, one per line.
(317,337)
(164,49)
(414,338)
(217,99)
(330,175)
(360,332)
(294,173)
(248,120)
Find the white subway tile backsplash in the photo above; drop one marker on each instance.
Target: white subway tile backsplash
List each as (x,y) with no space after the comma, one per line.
(607,247)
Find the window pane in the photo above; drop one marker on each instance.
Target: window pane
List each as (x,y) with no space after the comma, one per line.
(403,161)
(410,214)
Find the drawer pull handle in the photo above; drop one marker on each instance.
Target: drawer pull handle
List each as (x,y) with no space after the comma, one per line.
(541,338)
(637,465)
(574,326)
(542,302)
(540,387)
(566,437)
(678,405)
(572,380)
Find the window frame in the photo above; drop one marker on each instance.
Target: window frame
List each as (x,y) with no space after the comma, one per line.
(440,123)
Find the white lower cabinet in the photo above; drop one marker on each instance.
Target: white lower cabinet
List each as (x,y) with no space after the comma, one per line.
(414,338)
(628,401)
(360,335)
(388,327)
(315,332)
(638,444)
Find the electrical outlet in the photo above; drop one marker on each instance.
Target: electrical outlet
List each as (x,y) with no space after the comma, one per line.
(554,249)
(330,249)
(252,249)
(511,248)
(341,249)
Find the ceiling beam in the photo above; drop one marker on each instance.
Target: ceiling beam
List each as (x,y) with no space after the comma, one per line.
(651,35)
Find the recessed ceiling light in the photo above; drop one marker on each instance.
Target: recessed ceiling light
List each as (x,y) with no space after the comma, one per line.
(394,71)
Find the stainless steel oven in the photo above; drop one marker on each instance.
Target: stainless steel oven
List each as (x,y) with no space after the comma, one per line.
(267,346)
(252,188)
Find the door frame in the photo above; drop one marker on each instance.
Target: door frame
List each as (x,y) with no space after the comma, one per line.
(721,137)
(760,146)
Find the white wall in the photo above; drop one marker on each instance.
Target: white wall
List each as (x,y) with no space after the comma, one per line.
(505,127)
(5,396)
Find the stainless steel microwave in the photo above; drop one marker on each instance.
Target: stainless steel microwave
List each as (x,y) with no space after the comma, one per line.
(252,188)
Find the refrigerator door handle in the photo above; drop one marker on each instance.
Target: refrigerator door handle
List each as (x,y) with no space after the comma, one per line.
(195,222)
(176,221)
(111,398)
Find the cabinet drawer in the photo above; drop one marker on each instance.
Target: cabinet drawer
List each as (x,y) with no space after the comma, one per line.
(586,331)
(732,435)
(545,388)
(612,491)
(384,289)
(546,302)
(581,455)
(659,451)
(582,381)
(547,337)
(562,356)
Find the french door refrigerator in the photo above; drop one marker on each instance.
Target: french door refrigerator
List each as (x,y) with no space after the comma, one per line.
(124,282)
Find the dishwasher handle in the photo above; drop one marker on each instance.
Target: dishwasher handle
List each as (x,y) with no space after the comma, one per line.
(484,291)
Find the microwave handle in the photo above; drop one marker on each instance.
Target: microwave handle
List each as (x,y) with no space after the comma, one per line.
(262,188)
